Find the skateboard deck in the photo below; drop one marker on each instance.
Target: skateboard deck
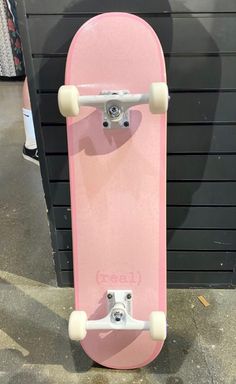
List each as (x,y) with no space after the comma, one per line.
(117,186)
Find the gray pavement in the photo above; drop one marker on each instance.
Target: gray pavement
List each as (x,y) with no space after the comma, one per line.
(34,344)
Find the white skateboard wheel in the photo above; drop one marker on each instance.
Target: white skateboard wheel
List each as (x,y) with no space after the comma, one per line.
(68,100)
(77,325)
(158,325)
(158,98)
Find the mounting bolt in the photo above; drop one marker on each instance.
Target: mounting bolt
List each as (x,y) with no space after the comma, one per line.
(109,296)
(114,111)
(105,124)
(128,296)
(126,124)
(118,315)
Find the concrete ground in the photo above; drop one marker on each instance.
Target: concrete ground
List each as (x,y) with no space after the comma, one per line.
(34,345)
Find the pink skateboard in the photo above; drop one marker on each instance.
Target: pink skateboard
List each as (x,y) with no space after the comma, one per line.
(115,100)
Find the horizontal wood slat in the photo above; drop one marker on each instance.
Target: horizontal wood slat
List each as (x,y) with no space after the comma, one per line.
(209,279)
(178,279)
(58,168)
(191,34)
(201,240)
(180,35)
(201,261)
(178,193)
(179,261)
(179,167)
(62,217)
(202,107)
(201,167)
(64,239)
(187,108)
(201,193)
(142,6)
(203,72)
(49,72)
(178,240)
(209,72)
(181,139)
(65,278)
(60,193)
(65,260)
(201,217)
(177,217)
(55,138)
(201,139)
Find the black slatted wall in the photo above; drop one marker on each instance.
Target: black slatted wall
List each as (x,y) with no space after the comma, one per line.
(198,39)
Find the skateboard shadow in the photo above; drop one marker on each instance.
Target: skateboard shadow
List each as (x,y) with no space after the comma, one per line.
(92,138)
(32,333)
(38,335)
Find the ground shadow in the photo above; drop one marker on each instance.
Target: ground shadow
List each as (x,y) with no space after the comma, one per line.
(40,333)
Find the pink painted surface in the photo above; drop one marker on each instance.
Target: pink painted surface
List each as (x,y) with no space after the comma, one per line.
(118,185)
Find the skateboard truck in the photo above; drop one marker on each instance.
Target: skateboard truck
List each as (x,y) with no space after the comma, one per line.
(114,104)
(119,317)
(115,111)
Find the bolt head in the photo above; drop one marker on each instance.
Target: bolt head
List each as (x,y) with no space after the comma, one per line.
(118,315)
(114,111)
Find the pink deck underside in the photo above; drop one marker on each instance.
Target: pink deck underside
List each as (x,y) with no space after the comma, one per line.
(118,185)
